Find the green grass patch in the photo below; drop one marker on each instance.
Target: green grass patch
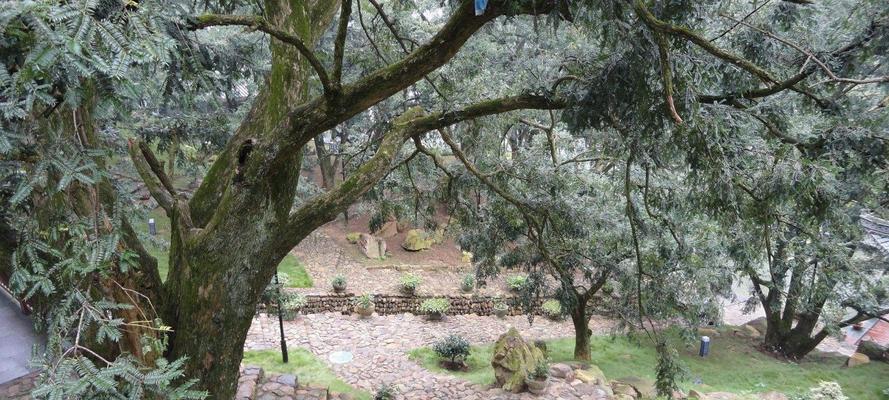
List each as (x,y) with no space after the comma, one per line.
(734,365)
(305,366)
(299,277)
(290,265)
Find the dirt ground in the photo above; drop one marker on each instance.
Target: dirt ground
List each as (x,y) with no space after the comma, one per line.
(446,254)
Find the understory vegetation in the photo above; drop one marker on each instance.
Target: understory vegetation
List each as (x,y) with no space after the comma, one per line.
(734,365)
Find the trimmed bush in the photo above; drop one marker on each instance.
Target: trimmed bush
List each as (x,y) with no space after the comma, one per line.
(454,349)
(339,283)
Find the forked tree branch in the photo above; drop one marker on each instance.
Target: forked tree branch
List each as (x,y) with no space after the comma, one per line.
(158,183)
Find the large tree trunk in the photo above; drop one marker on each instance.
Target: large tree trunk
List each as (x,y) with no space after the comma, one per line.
(581,319)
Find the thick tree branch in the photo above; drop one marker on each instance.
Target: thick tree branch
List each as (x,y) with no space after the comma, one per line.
(260,24)
(663,46)
(339,46)
(158,183)
(385,82)
(160,194)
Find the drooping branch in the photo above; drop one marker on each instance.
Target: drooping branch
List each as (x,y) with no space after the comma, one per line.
(667,75)
(260,24)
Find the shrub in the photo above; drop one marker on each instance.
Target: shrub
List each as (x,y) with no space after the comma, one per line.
(517,282)
(826,391)
(410,282)
(435,306)
(338,282)
(468,282)
(552,309)
(291,303)
(385,392)
(453,348)
(363,301)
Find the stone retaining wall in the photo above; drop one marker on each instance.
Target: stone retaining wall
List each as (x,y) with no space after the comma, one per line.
(399,304)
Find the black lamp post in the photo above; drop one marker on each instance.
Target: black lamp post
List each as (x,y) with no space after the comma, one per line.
(281,320)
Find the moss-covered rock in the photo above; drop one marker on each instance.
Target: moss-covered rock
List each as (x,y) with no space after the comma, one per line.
(513,360)
(417,240)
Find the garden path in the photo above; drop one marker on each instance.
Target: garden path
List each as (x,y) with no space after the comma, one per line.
(379,347)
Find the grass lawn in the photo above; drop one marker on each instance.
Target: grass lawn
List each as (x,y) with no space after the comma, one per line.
(734,365)
(290,265)
(305,366)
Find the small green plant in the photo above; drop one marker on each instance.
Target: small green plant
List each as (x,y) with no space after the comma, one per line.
(468,283)
(339,283)
(454,349)
(516,282)
(292,303)
(552,309)
(438,305)
(385,392)
(540,371)
(409,283)
(364,301)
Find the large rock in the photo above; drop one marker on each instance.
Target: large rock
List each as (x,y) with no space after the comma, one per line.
(644,387)
(623,391)
(750,331)
(372,246)
(513,359)
(417,240)
(857,359)
(760,324)
(873,350)
(592,374)
(560,370)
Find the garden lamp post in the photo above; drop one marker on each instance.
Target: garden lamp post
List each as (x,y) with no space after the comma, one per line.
(281,320)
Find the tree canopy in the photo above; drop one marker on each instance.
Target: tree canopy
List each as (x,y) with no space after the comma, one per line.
(659,150)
